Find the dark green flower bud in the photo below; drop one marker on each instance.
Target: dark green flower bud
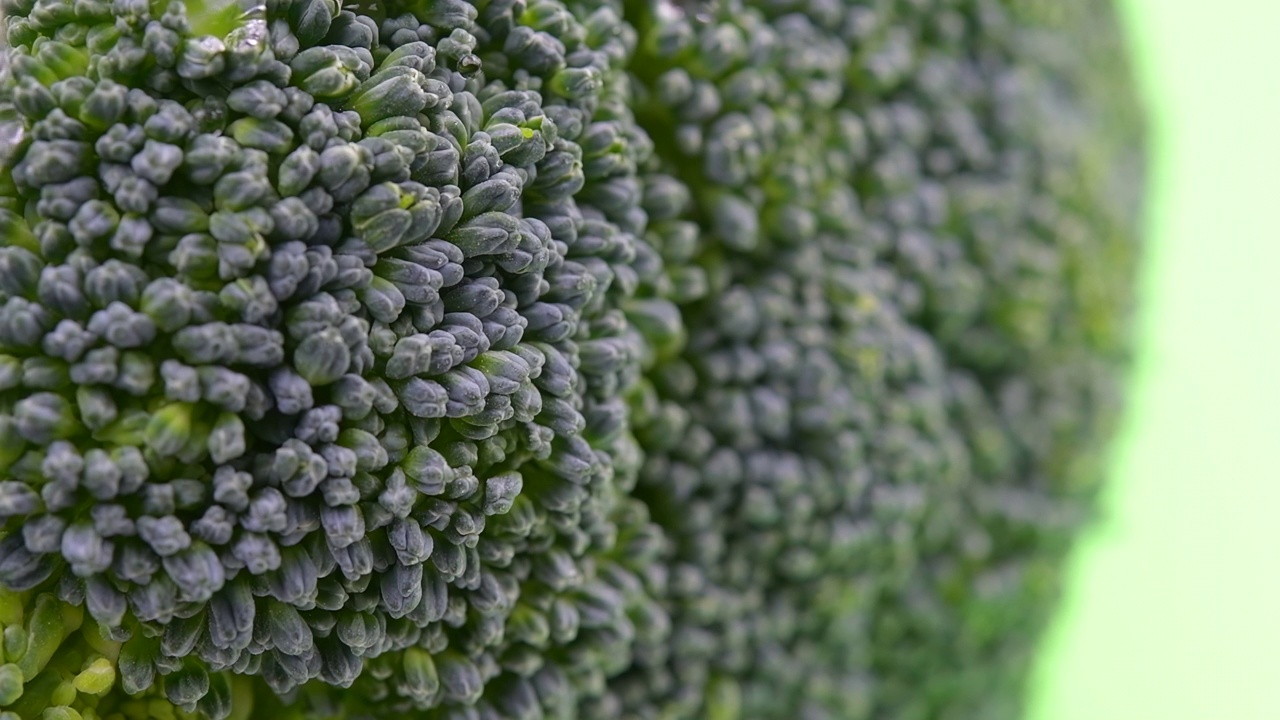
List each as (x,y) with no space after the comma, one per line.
(231,488)
(45,373)
(180,381)
(297,171)
(137,671)
(293,219)
(267,512)
(53,239)
(250,297)
(196,255)
(209,156)
(156,162)
(423,398)
(344,171)
(417,284)
(494,196)
(132,232)
(318,127)
(16,499)
(417,55)
(231,616)
(96,406)
(42,535)
(101,476)
(353,30)
(112,520)
(576,83)
(51,161)
(241,190)
(460,680)
(258,99)
(196,571)
(420,681)
(114,281)
(133,195)
(19,270)
(311,19)
(382,218)
(179,639)
(202,57)
(218,701)
(359,631)
(321,424)
(22,570)
(322,358)
(165,535)
(393,91)
(339,665)
(62,463)
(187,685)
(122,327)
(225,388)
(177,216)
(538,52)
(11,370)
(369,453)
(328,72)
(292,393)
(161,43)
(62,201)
(172,123)
(428,470)
(270,135)
(227,439)
(23,323)
(383,300)
(500,493)
(390,161)
(169,430)
(62,60)
(31,97)
(86,551)
(44,417)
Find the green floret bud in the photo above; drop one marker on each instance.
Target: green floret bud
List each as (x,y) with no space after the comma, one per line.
(389,215)
(11,684)
(393,91)
(328,72)
(44,417)
(297,171)
(202,58)
(270,135)
(259,99)
(311,19)
(169,429)
(323,357)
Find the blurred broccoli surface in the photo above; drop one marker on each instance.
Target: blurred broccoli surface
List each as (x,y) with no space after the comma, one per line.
(534,359)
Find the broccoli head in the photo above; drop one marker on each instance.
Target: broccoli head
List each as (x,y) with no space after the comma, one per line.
(533,359)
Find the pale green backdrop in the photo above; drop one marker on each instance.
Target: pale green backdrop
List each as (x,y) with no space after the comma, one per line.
(1173,606)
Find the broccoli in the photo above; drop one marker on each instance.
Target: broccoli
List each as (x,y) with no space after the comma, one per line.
(525,359)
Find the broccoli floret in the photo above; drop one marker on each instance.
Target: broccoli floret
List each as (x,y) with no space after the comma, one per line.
(870,451)
(533,359)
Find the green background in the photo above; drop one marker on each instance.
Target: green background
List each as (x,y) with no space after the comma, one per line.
(1172,610)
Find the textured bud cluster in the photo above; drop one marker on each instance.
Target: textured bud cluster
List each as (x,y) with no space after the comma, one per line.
(524,359)
(905,285)
(318,342)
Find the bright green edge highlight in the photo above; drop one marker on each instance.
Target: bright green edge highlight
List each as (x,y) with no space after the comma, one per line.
(1172,604)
